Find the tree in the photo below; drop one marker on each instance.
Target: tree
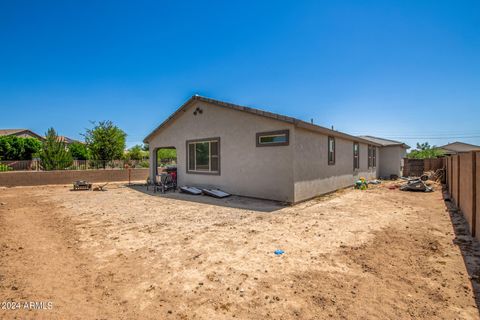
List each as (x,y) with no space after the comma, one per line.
(425,151)
(18,148)
(105,141)
(54,155)
(79,151)
(135,153)
(166,154)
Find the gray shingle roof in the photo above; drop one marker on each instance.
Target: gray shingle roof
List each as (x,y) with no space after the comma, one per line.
(258,112)
(458,146)
(385,142)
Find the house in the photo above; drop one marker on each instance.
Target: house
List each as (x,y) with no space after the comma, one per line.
(250,152)
(456,147)
(24,133)
(392,154)
(67,140)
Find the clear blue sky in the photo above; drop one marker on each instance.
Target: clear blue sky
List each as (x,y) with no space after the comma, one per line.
(399,69)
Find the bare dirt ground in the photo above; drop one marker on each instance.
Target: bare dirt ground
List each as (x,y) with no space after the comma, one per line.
(129,254)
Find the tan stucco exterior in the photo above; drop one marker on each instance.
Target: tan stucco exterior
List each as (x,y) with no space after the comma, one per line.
(391,163)
(244,168)
(291,173)
(312,173)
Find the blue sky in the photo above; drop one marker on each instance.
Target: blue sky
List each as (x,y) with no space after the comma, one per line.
(408,70)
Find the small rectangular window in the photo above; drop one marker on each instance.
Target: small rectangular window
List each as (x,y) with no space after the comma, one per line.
(369,156)
(331,150)
(374,156)
(273,138)
(203,156)
(356,156)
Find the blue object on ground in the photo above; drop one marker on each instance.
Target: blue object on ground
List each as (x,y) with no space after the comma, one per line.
(279,252)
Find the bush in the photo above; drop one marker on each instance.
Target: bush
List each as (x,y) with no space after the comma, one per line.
(54,154)
(4,167)
(79,151)
(18,148)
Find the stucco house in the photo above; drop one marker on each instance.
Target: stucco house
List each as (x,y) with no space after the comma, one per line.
(392,154)
(23,133)
(250,152)
(457,146)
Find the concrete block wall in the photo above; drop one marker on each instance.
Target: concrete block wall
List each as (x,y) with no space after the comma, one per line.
(465,192)
(463,183)
(36,178)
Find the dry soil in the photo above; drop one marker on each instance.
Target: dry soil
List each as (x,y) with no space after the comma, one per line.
(129,254)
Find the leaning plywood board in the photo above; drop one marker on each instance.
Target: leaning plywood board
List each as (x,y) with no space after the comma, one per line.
(216,193)
(191,190)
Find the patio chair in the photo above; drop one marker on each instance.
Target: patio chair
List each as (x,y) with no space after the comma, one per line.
(164,182)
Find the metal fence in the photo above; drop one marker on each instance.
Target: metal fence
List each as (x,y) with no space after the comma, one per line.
(36,165)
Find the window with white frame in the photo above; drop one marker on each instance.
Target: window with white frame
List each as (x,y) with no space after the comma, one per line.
(203,156)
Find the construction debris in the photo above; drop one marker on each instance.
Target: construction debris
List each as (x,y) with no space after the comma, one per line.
(417,184)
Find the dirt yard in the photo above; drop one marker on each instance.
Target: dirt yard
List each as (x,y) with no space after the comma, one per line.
(129,254)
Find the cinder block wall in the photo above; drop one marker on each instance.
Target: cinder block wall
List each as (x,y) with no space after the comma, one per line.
(36,178)
(466,190)
(478,195)
(463,182)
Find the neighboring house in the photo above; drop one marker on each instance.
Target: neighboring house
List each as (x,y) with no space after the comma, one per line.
(392,154)
(456,147)
(260,154)
(24,133)
(67,140)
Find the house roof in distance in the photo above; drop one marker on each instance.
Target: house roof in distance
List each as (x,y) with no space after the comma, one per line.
(385,142)
(458,146)
(10,132)
(296,122)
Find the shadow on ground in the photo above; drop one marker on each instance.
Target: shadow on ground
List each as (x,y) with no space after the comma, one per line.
(237,202)
(469,245)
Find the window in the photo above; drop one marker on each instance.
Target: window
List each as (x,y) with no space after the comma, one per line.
(369,156)
(331,150)
(356,156)
(203,156)
(372,156)
(273,138)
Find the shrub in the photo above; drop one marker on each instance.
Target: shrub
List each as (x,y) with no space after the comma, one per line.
(4,167)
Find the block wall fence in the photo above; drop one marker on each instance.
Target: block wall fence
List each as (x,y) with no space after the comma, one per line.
(36,178)
(463,183)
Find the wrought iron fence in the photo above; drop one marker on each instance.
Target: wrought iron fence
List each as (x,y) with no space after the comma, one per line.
(36,165)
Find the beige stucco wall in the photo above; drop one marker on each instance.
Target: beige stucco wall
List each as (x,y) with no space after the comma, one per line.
(391,160)
(247,170)
(312,174)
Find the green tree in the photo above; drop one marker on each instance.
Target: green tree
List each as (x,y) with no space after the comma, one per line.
(166,154)
(105,141)
(425,151)
(135,153)
(79,151)
(54,154)
(18,148)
